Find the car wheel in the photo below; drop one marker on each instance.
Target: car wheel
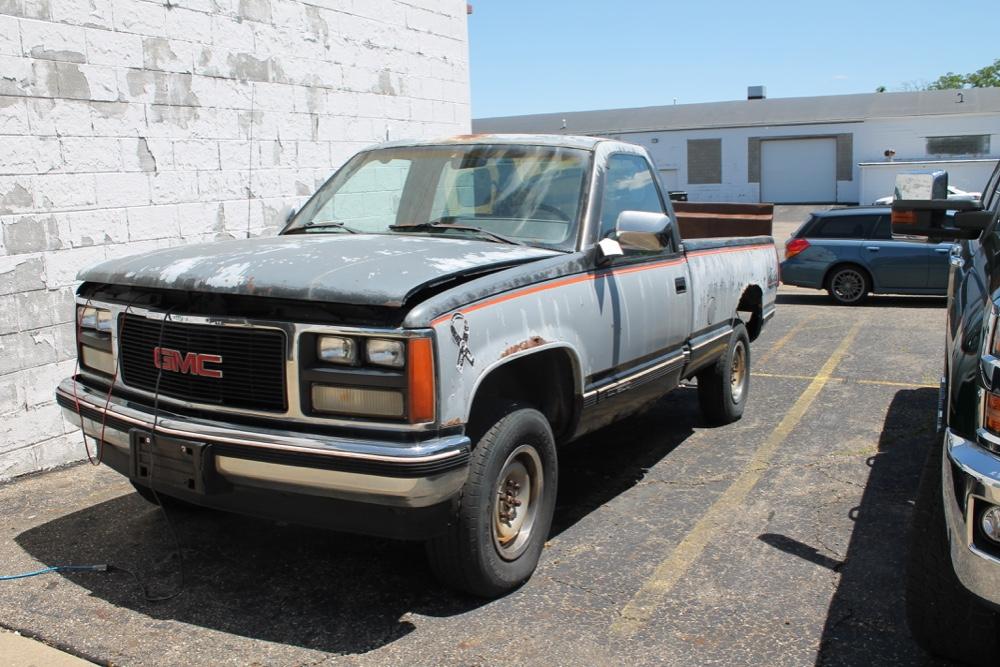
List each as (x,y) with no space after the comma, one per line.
(944,618)
(848,285)
(506,508)
(723,388)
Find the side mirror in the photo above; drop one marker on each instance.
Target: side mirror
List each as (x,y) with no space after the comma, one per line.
(973,220)
(642,231)
(922,208)
(929,217)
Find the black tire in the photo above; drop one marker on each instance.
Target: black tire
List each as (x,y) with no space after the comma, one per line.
(944,618)
(721,398)
(472,556)
(848,285)
(168,501)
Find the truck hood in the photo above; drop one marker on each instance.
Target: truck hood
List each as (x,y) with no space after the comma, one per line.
(362,269)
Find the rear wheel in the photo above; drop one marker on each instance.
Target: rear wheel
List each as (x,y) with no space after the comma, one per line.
(944,618)
(493,545)
(724,386)
(848,285)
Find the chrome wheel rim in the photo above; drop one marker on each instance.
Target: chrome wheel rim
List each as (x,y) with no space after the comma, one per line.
(848,285)
(516,497)
(738,371)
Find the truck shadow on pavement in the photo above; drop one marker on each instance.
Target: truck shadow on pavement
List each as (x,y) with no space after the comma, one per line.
(320,590)
(873,301)
(866,621)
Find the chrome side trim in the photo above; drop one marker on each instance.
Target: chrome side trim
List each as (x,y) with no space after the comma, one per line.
(292,332)
(220,432)
(636,379)
(709,338)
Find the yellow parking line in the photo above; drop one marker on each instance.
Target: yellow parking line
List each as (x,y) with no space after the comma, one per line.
(887,383)
(780,343)
(907,385)
(640,608)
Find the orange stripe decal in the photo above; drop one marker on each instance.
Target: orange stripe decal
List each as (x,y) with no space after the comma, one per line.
(585,277)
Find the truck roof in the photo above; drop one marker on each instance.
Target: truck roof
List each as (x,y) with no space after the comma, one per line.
(561,140)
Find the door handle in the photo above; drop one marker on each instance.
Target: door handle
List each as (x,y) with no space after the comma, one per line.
(943,251)
(873,248)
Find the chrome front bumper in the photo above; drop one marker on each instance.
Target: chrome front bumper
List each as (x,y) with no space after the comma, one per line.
(411,474)
(970,476)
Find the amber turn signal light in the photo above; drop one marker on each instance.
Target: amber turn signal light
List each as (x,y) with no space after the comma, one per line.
(421,380)
(904,217)
(993,412)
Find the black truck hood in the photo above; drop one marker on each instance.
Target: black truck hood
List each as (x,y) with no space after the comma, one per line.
(363,269)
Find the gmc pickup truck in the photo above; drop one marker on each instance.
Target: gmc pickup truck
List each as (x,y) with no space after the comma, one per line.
(953,580)
(403,359)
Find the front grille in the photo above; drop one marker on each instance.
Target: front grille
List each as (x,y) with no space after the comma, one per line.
(253,362)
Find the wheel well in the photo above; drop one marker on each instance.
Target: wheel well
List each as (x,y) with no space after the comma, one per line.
(543,380)
(752,301)
(840,265)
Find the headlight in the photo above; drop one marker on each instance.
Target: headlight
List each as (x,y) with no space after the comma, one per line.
(337,350)
(96,318)
(390,353)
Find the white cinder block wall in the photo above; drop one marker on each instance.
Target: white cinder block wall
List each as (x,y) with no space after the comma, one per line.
(125,126)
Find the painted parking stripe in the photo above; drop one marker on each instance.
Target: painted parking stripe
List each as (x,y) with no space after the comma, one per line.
(882,383)
(642,606)
(781,342)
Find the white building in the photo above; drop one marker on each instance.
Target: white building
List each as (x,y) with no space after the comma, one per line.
(798,150)
(126,125)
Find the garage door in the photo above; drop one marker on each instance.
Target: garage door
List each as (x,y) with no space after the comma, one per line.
(798,171)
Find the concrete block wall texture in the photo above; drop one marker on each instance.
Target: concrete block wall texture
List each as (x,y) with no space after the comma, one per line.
(126,126)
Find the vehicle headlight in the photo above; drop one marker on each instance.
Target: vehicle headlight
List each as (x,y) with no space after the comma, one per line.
(98,319)
(391,353)
(337,350)
(94,339)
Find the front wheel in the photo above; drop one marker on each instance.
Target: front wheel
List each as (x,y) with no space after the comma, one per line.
(505,512)
(848,285)
(724,386)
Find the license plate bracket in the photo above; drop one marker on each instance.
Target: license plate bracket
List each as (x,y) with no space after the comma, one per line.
(168,463)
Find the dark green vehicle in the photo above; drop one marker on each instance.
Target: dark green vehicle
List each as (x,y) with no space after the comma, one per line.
(953,579)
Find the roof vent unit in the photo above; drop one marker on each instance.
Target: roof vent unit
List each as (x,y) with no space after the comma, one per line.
(756,92)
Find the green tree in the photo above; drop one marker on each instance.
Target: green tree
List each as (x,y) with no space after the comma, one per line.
(986,77)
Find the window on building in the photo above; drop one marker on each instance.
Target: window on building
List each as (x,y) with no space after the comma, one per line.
(968,144)
(704,161)
(628,186)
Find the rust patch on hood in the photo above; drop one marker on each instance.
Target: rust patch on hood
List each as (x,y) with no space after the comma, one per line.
(534,341)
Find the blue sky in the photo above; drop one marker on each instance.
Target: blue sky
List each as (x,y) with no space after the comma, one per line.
(571,55)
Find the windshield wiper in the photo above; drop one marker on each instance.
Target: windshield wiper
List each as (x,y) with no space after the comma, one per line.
(440,224)
(322,225)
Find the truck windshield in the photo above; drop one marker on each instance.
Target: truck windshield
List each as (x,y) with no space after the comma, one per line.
(526,194)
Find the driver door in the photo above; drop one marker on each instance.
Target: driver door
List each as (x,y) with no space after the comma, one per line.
(649,291)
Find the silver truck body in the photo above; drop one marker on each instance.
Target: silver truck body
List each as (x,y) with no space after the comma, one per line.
(620,332)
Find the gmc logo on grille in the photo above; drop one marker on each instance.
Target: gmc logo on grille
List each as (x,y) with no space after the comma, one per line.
(191,363)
